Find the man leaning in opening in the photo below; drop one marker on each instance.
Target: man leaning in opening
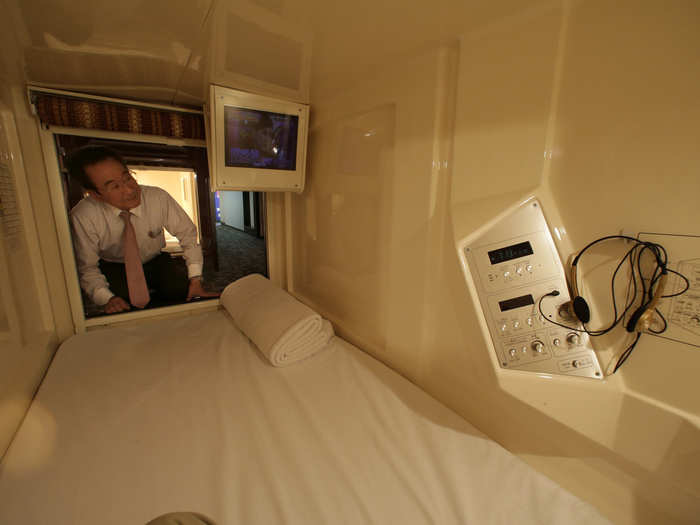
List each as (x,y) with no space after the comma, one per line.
(118,237)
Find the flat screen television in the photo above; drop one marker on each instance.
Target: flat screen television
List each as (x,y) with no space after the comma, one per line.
(256,143)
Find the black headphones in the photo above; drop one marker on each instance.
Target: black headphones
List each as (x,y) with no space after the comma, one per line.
(641,318)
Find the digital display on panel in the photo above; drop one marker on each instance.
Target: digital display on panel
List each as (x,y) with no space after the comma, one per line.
(260,139)
(510,252)
(516,302)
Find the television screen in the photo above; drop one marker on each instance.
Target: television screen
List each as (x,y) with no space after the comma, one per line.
(260,139)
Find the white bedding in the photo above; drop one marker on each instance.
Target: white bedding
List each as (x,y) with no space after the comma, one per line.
(185,414)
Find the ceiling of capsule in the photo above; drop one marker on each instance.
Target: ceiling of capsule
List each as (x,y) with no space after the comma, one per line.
(169,50)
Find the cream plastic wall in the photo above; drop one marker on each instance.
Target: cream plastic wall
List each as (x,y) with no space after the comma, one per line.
(30,330)
(593,108)
(428,119)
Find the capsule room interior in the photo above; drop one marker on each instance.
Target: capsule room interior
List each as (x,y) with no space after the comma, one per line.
(428,122)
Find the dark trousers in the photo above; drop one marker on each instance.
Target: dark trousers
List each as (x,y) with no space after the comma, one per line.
(166,278)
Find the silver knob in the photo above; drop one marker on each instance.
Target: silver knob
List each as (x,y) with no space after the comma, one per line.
(556,342)
(564,312)
(512,352)
(575,363)
(573,339)
(537,346)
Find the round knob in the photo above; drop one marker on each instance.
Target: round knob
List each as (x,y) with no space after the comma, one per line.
(516,324)
(575,363)
(564,312)
(573,339)
(537,346)
(556,342)
(512,352)
(529,321)
(529,268)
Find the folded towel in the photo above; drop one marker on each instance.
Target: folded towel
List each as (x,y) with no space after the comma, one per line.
(283,329)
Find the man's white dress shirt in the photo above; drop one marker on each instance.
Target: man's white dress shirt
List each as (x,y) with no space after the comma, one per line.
(98,229)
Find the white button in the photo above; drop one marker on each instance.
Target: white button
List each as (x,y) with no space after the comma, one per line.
(529,268)
(516,324)
(556,342)
(529,321)
(519,270)
(506,274)
(504,327)
(512,352)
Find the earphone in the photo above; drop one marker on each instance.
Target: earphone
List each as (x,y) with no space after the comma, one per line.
(577,307)
(641,319)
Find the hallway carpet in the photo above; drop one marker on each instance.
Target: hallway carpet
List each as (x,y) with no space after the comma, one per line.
(240,254)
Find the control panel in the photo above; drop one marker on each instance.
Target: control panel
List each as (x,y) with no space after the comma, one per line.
(515,267)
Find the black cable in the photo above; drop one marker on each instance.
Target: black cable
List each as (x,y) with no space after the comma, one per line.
(617,320)
(627,352)
(612,286)
(687,284)
(640,288)
(554,293)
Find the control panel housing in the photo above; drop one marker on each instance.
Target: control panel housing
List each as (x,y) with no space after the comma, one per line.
(514,265)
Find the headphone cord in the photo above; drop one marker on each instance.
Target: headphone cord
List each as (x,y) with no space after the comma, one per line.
(623,357)
(634,255)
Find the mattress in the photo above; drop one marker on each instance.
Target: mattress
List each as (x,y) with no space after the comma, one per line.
(186,415)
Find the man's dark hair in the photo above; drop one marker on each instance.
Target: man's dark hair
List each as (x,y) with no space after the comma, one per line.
(87,156)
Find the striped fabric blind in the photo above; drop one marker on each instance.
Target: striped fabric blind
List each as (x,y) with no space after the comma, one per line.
(75,112)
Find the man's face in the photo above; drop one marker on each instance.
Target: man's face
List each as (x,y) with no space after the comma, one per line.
(114,184)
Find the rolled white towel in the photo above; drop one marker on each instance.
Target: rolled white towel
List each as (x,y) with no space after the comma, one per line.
(283,329)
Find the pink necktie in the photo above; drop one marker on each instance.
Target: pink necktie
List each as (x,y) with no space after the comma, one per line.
(138,289)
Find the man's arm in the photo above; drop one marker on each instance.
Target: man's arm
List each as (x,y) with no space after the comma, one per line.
(116,304)
(85,241)
(196,289)
(181,226)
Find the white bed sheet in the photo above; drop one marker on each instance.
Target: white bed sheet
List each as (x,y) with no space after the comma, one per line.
(185,415)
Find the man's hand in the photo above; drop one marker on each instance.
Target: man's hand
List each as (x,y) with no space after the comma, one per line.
(197,290)
(116,304)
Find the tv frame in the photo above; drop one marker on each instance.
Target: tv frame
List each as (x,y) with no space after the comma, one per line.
(225,177)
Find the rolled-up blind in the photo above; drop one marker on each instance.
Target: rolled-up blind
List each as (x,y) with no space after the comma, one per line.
(76,112)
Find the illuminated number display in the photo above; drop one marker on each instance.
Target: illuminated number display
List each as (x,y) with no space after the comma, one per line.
(516,302)
(510,252)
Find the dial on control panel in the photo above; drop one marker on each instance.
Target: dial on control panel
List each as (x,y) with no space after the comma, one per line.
(513,265)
